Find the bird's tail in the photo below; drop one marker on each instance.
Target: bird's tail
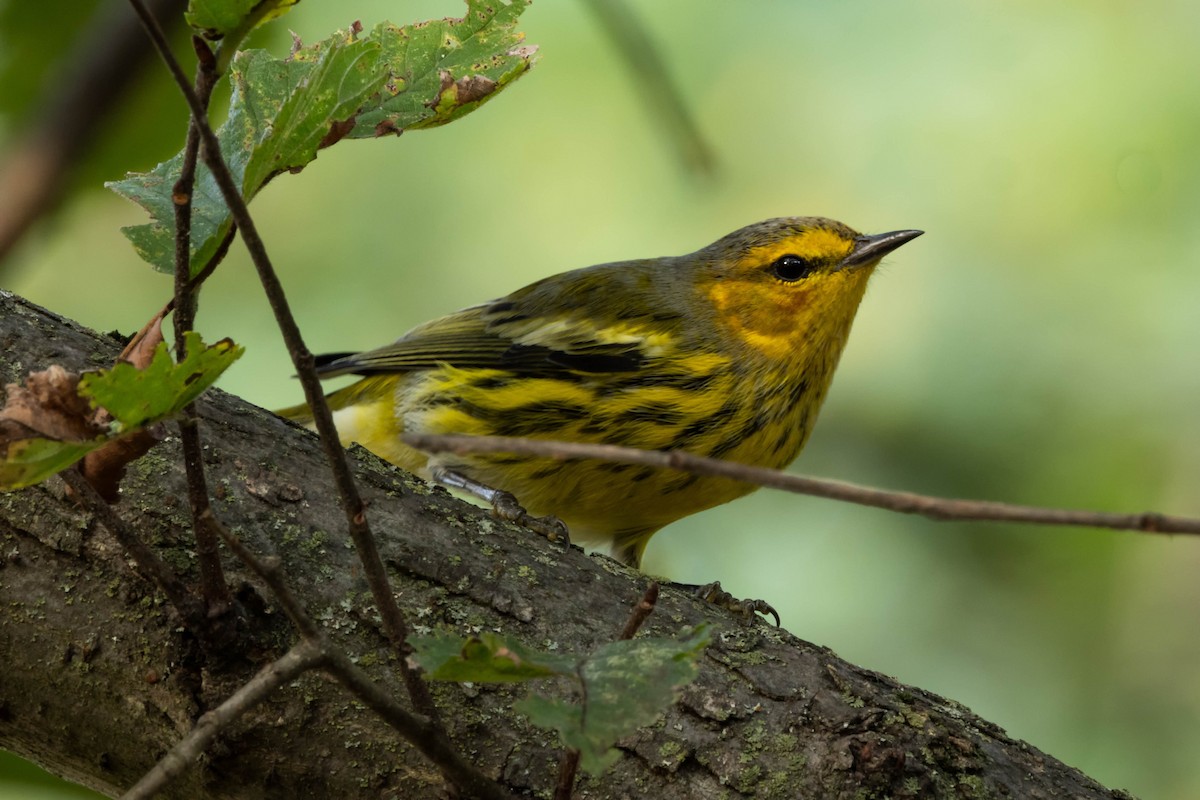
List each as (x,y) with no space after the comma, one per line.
(365,412)
(301,414)
(371,389)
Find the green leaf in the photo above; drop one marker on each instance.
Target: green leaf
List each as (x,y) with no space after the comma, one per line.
(488,658)
(215,19)
(134,398)
(140,397)
(31,461)
(281,110)
(626,685)
(284,110)
(596,754)
(444,69)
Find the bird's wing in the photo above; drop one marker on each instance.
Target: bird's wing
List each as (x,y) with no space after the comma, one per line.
(506,335)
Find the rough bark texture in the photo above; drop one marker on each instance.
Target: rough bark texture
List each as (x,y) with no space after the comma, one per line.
(98,679)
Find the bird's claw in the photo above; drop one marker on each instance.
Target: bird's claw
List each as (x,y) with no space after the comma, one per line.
(713,593)
(506,507)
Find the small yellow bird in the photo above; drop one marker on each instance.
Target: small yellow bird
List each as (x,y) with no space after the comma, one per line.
(726,352)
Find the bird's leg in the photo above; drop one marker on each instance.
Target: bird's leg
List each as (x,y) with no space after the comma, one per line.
(504,505)
(713,593)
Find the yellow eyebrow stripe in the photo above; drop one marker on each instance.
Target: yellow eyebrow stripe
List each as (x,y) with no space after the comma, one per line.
(816,243)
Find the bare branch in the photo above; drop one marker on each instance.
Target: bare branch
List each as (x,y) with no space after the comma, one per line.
(641,611)
(213,586)
(304,656)
(937,508)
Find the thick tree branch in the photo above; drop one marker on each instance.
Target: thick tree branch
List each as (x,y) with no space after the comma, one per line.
(98,680)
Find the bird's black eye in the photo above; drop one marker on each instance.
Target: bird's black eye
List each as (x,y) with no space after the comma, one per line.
(791,268)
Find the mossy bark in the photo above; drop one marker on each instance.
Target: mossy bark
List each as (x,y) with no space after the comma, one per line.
(98,678)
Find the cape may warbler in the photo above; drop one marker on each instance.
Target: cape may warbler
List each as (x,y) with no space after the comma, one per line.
(726,352)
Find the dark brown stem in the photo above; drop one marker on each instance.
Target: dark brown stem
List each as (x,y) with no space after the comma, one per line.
(641,611)
(217,257)
(213,587)
(208,269)
(302,359)
(304,656)
(181,195)
(568,767)
(938,508)
(150,565)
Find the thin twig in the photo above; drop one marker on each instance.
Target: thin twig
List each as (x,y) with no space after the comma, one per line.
(568,768)
(938,508)
(304,656)
(200,277)
(146,559)
(302,358)
(213,587)
(181,195)
(641,611)
(425,735)
(217,257)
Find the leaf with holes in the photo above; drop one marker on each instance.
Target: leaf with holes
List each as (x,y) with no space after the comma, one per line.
(282,111)
(48,424)
(139,397)
(444,69)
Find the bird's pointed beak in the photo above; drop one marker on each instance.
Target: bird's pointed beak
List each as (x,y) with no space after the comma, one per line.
(869,249)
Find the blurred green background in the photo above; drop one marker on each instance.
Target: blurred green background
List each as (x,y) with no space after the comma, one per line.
(1038,345)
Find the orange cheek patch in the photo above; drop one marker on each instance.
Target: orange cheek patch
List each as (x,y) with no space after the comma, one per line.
(790,303)
(765,316)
